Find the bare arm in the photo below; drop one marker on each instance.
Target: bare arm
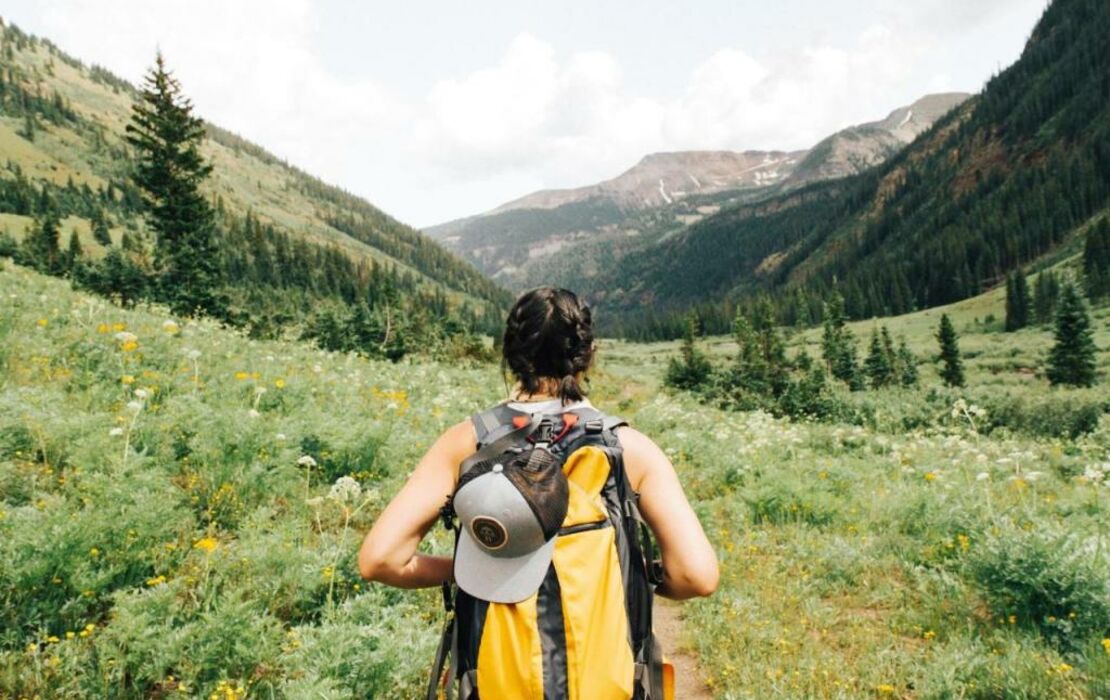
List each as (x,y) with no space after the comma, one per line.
(388,553)
(689,561)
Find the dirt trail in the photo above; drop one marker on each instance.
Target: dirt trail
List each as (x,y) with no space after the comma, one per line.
(688,678)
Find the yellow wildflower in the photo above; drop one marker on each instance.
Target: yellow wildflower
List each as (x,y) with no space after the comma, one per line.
(42,322)
(208,544)
(279,383)
(1106,644)
(885,689)
(242,375)
(128,379)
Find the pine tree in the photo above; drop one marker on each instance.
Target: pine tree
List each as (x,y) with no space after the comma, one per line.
(879,363)
(115,276)
(169,172)
(1018,304)
(692,368)
(907,364)
(953,371)
(74,252)
(41,248)
(1072,359)
(838,345)
(1046,290)
(1096,261)
(100,231)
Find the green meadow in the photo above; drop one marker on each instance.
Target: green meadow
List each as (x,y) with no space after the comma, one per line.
(181,506)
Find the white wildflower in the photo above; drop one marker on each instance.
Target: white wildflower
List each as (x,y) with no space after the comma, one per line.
(126,337)
(345,490)
(280,437)
(134,406)
(142,394)
(116,432)
(306,461)
(192,354)
(253,413)
(982,476)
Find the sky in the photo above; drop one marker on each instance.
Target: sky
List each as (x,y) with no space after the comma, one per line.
(434,110)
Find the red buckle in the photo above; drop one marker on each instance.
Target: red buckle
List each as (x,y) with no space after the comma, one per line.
(569,421)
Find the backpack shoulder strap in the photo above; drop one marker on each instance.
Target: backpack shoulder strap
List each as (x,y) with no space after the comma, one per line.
(490,421)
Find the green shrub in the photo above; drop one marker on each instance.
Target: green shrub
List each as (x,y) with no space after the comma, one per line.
(1000,667)
(1045,581)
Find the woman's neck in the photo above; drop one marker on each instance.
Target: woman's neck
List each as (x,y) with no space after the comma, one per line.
(531,398)
(542,393)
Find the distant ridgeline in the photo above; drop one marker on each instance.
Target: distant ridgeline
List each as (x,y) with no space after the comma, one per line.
(293,247)
(999,182)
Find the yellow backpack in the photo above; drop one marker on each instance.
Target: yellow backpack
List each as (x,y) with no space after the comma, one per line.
(586,634)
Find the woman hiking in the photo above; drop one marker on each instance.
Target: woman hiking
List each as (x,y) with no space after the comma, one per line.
(550,587)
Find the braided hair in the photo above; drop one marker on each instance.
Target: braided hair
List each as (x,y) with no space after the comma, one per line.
(549,336)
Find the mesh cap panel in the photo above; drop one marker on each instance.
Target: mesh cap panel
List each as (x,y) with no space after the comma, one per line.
(538,475)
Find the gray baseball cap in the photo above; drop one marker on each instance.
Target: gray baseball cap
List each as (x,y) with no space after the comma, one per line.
(509,515)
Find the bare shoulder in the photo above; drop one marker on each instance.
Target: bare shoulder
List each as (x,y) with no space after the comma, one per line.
(453,445)
(459,439)
(641,455)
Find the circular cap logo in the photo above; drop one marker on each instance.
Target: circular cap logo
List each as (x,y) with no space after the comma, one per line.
(489,532)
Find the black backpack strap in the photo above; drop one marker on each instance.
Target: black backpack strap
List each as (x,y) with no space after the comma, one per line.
(448,649)
(492,421)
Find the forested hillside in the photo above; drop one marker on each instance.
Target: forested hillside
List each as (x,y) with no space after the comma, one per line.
(289,243)
(567,236)
(994,185)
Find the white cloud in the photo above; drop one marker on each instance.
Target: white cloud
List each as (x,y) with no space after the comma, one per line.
(266,83)
(535,117)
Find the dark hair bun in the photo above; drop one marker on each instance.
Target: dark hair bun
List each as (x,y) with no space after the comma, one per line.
(549,334)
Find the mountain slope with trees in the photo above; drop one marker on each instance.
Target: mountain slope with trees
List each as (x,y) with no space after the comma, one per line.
(995,184)
(288,243)
(558,236)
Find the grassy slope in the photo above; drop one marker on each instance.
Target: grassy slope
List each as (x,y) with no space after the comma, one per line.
(246,180)
(845,552)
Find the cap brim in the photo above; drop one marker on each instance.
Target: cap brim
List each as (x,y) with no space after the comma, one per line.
(499,579)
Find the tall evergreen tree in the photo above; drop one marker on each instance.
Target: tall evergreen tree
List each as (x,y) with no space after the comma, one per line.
(879,364)
(1096,261)
(41,247)
(907,364)
(953,371)
(691,369)
(1072,359)
(1018,303)
(73,253)
(838,345)
(170,170)
(100,231)
(1046,290)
